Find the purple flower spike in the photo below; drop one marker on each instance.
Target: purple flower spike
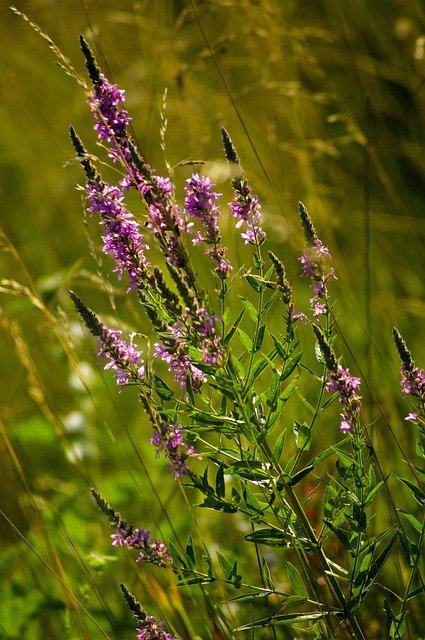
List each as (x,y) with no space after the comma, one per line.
(123,357)
(413,382)
(180,364)
(200,203)
(341,381)
(151,629)
(111,120)
(168,440)
(313,266)
(122,239)
(154,552)
(246,209)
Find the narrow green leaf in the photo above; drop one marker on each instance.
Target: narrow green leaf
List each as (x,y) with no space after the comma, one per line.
(306,403)
(288,391)
(417,493)
(279,445)
(208,418)
(251,502)
(225,565)
(371,495)
(296,581)
(413,521)
(252,311)
(280,347)
(226,316)
(259,339)
(245,339)
(219,482)
(421,473)
(233,328)
(340,533)
(389,619)
(162,388)
(178,561)
(234,576)
(415,592)
(374,569)
(269,302)
(190,553)
(273,389)
(329,401)
(266,361)
(300,475)
(285,618)
(189,581)
(302,433)
(420,448)
(255,283)
(268,536)
(268,576)
(253,470)
(290,365)
(215,504)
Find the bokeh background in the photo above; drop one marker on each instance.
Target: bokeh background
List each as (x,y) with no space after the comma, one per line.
(325,101)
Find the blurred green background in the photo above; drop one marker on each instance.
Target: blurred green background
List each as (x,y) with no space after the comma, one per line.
(325,101)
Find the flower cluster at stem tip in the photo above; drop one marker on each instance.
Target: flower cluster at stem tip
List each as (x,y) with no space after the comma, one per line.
(151,629)
(200,203)
(123,239)
(413,385)
(150,551)
(168,439)
(123,357)
(313,266)
(341,381)
(246,209)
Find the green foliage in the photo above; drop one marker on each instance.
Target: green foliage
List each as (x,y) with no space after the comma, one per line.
(297,77)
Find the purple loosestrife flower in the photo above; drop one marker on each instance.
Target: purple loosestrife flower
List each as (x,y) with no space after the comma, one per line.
(123,357)
(200,203)
(313,266)
(413,382)
(164,216)
(341,381)
(203,326)
(179,363)
(154,552)
(246,209)
(286,291)
(169,439)
(196,327)
(122,239)
(412,378)
(151,629)
(413,385)
(111,120)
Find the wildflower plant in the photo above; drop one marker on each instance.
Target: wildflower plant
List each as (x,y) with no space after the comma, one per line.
(218,418)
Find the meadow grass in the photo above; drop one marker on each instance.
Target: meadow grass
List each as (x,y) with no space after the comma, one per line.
(325,103)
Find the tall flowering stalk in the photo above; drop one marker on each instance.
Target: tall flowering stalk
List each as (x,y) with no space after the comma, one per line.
(244,206)
(313,263)
(412,378)
(200,203)
(341,381)
(126,244)
(149,628)
(126,535)
(229,407)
